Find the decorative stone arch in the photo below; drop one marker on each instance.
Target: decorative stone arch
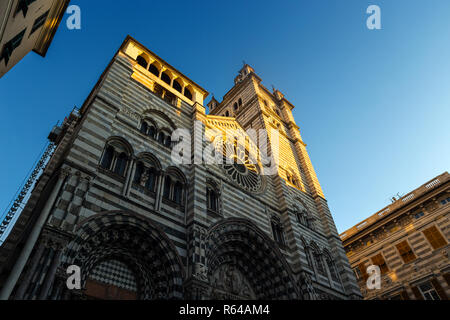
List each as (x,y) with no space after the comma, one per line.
(317,256)
(331,265)
(143,59)
(240,243)
(149,157)
(135,241)
(151,112)
(124,142)
(155,68)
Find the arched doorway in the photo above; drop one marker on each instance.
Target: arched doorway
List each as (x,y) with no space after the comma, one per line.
(124,256)
(244,263)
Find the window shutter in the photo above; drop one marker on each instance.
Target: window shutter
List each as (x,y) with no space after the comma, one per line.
(439,289)
(417,293)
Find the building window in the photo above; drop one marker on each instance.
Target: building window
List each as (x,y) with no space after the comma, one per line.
(152,132)
(161,137)
(278,233)
(23,6)
(406,252)
(235,106)
(187,93)
(332,267)
(434,237)
(154,70)
(319,263)
(145,176)
(168,141)
(144,128)
(39,22)
(212,199)
(178,193)
(138,173)
(240,102)
(177,86)
(121,164)
(428,291)
(150,184)
(378,260)
(174,190)
(115,158)
(107,158)
(419,215)
(165,77)
(10,46)
(142,61)
(167,187)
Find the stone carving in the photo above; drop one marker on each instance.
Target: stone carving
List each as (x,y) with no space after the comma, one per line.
(229,280)
(309,293)
(200,272)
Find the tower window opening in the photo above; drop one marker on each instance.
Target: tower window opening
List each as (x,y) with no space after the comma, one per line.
(108,158)
(142,61)
(187,93)
(177,86)
(154,70)
(121,164)
(165,77)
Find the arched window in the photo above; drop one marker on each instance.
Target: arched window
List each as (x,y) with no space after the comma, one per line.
(161,137)
(107,158)
(227,114)
(178,193)
(235,106)
(165,77)
(187,93)
(168,141)
(154,70)
(278,233)
(212,199)
(177,86)
(308,255)
(167,186)
(240,102)
(144,127)
(138,173)
(332,267)
(152,131)
(151,180)
(121,164)
(142,61)
(318,262)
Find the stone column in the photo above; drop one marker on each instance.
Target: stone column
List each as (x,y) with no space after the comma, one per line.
(26,280)
(49,278)
(31,241)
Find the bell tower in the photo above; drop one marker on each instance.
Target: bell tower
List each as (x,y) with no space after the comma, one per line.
(254,106)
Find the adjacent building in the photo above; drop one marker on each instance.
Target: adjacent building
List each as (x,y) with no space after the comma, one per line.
(409,241)
(112,200)
(27,25)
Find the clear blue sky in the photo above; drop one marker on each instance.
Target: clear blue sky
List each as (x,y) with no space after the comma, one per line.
(373,106)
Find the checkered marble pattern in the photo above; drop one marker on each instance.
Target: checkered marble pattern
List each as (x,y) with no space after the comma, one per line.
(115,273)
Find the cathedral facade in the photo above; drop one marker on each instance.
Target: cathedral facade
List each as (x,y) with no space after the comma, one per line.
(112,201)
